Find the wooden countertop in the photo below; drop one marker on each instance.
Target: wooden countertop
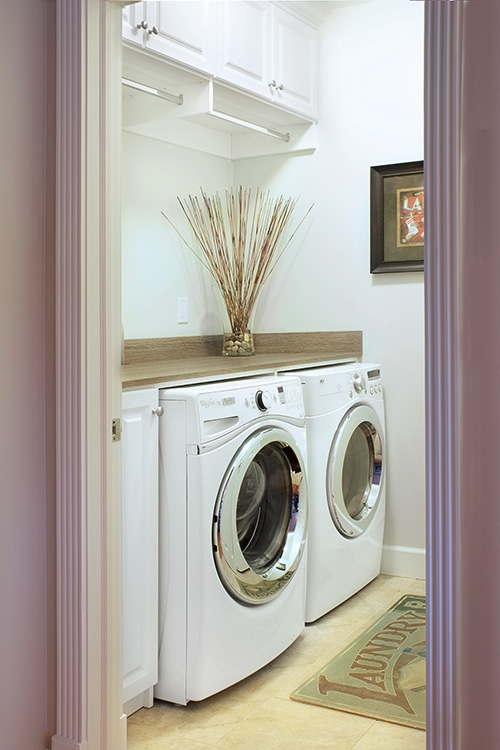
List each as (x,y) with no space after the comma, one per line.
(167,362)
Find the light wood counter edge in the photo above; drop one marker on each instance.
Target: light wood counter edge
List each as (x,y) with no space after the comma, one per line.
(161,374)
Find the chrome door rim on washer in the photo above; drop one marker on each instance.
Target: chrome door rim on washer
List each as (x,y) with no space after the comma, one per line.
(363,418)
(244,582)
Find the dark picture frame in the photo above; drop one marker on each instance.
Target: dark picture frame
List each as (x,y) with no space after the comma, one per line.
(397,217)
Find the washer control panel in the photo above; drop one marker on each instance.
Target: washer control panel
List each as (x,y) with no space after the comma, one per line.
(233,405)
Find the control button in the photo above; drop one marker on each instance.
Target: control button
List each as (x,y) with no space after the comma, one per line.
(358,383)
(264,400)
(371,389)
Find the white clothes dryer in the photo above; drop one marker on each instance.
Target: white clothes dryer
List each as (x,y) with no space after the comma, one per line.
(233,517)
(346,481)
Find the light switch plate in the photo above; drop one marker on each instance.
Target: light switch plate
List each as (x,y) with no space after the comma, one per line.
(182,309)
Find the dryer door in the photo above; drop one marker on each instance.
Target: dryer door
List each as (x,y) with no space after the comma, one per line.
(356,471)
(260,517)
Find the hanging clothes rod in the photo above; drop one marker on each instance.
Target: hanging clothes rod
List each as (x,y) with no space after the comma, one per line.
(250,125)
(179,100)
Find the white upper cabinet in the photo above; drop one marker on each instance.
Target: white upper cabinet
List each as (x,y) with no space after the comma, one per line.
(182,31)
(266,50)
(134,23)
(244,44)
(257,46)
(295,63)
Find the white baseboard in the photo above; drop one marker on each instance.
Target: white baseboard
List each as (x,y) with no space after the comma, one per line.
(62,743)
(408,562)
(143,700)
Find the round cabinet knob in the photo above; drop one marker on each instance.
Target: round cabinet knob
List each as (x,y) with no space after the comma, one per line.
(158,411)
(272,84)
(358,383)
(154,30)
(264,400)
(142,25)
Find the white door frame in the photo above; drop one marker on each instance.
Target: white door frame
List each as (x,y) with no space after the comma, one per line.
(88,383)
(88,292)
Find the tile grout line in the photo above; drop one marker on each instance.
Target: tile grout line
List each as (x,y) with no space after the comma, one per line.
(363,735)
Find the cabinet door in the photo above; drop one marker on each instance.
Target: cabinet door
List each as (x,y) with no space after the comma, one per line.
(133,22)
(183,31)
(140,541)
(295,65)
(244,45)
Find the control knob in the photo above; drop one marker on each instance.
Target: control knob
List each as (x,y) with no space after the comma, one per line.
(359,383)
(264,400)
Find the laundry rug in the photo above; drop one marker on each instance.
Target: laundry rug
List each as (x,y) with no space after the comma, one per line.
(382,673)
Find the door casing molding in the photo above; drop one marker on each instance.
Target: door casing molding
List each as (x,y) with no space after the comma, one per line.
(442,160)
(88,385)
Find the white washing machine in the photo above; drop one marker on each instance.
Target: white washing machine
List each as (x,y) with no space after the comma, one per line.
(233,516)
(346,481)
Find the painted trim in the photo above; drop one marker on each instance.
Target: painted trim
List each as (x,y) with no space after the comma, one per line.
(88,705)
(407,562)
(111,103)
(442,159)
(71,566)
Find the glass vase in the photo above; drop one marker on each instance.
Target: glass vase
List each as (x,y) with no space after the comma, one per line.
(238,344)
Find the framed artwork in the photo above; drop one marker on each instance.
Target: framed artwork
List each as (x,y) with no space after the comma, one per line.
(397,217)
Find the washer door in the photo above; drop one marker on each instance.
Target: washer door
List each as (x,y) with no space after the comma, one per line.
(355,471)
(260,517)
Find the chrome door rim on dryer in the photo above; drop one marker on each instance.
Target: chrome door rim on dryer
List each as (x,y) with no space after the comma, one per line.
(368,471)
(253,572)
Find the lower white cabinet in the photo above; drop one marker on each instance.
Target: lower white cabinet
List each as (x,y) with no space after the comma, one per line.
(140,547)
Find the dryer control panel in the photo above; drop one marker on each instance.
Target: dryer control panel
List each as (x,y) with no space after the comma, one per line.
(365,381)
(329,388)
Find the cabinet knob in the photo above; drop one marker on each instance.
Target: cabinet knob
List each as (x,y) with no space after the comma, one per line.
(158,411)
(272,84)
(280,87)
(142,25)
(154,30)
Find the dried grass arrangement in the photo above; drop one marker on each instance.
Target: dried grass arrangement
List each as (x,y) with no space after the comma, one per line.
(240,241)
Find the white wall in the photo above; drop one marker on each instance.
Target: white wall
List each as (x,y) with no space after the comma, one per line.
(371,113)
(372,98)
(157,266)
(27,556)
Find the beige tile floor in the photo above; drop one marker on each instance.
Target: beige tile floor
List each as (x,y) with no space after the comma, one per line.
(257,713)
